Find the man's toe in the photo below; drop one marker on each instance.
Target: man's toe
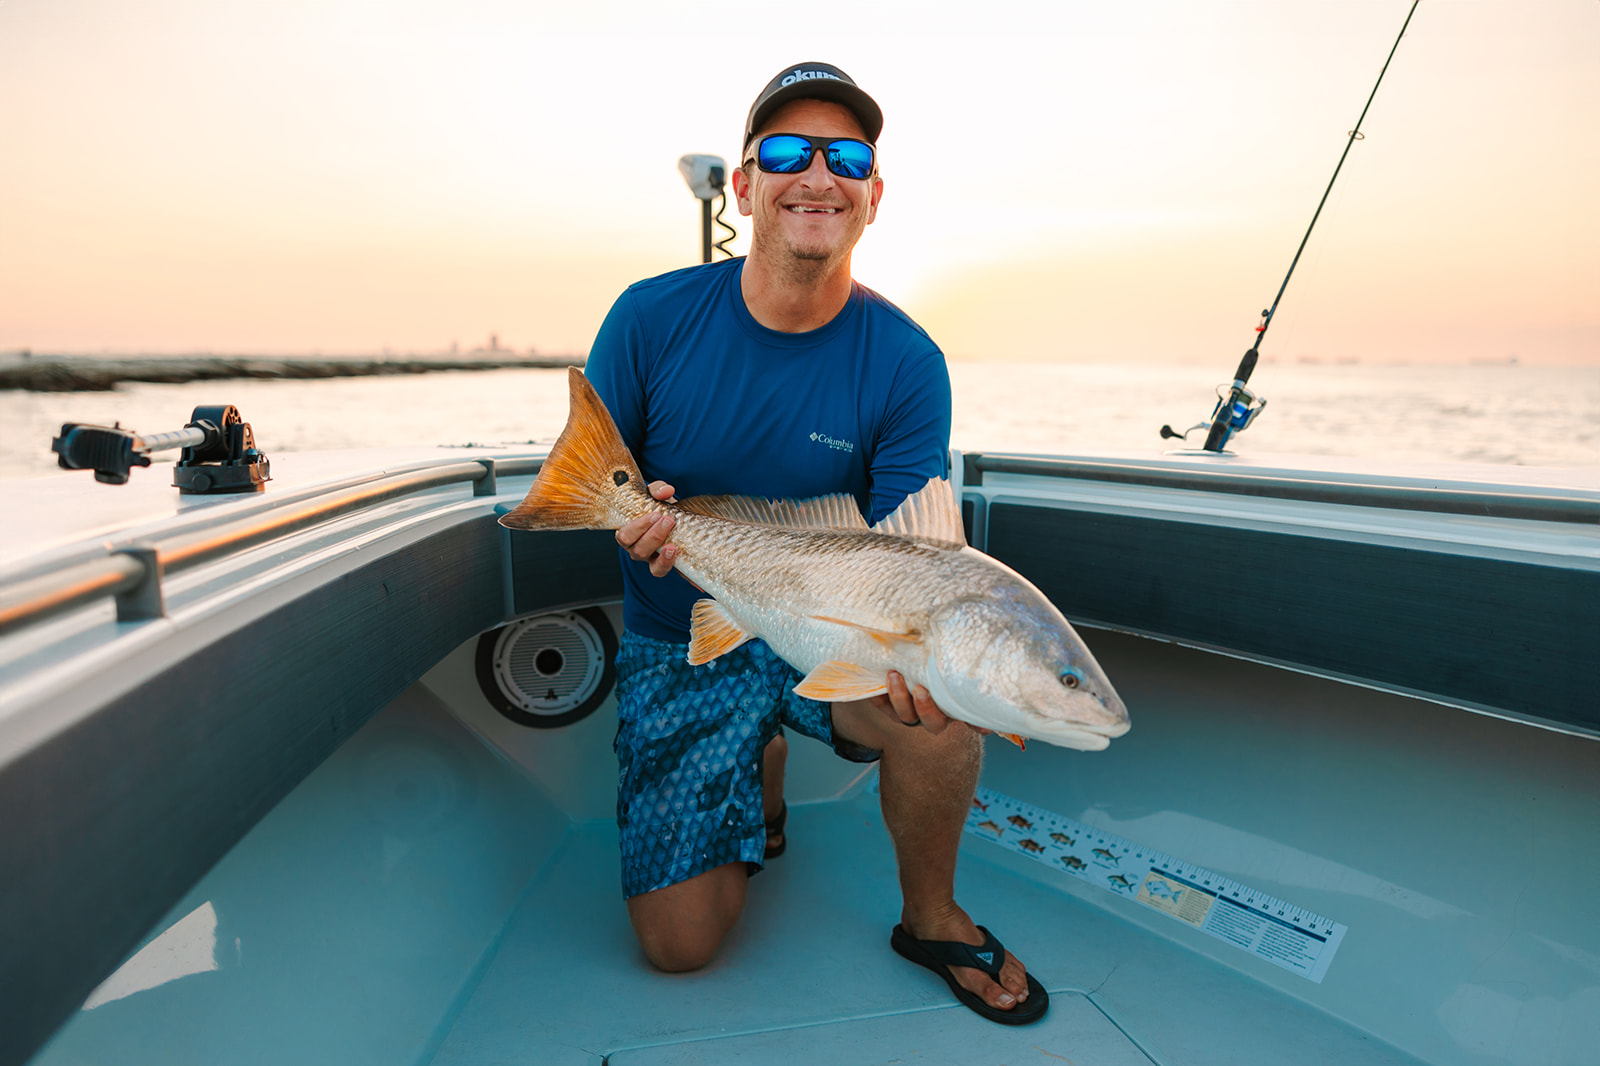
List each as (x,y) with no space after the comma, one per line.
(1014,977)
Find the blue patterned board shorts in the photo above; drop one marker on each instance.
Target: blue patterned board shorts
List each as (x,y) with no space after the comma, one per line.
(689,746)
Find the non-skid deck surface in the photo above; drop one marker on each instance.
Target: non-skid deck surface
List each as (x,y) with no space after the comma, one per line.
(808,976)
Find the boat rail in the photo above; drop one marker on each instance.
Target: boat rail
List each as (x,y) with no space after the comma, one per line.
(132,572)
(1554,505)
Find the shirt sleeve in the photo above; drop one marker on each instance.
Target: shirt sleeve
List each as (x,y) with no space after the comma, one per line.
(915,443)
(616,369)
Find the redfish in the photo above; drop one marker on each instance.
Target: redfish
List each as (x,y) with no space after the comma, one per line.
(842,602)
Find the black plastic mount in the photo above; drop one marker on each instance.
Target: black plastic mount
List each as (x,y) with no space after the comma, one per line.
(227,461)
(219,452)
(107,450)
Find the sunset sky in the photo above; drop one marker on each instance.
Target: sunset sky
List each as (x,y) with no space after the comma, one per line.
(1064,180)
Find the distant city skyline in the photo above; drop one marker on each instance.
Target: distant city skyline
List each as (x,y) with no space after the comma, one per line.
(1065,181)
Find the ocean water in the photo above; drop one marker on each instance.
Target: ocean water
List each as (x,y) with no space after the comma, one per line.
(1510,414)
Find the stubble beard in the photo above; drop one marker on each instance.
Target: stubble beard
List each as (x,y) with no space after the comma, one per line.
(796,263)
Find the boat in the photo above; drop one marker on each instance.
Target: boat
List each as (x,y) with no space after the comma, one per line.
(322,773)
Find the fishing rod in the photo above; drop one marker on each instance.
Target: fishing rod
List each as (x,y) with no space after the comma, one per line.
(1237,406)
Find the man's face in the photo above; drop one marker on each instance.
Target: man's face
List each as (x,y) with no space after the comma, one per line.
(815,214)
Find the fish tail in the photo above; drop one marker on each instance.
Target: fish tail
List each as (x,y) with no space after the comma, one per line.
(590,479)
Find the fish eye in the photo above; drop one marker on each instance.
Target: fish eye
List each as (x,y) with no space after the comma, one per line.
(1071,678)
(620,477)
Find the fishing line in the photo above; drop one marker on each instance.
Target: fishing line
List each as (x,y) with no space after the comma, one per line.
(1239,406)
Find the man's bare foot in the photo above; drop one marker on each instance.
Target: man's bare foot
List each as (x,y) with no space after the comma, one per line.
(952,923)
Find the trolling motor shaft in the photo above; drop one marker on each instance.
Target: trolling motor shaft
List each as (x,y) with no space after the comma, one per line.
(219,452)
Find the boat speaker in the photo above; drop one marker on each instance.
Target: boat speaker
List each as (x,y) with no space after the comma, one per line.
(550,670)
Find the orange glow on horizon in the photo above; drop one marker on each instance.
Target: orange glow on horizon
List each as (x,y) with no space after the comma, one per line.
(1063,181)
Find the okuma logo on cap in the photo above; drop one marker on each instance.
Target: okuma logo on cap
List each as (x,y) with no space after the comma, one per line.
(805,75)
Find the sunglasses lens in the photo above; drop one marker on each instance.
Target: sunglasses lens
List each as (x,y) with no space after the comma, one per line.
(783,154)
(850,159)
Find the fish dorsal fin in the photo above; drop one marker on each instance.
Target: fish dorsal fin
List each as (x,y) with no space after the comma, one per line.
(713,632)
(838,511)
(930,515)
(842,681)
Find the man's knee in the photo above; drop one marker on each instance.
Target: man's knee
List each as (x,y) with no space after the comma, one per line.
(672,951)
(682,927)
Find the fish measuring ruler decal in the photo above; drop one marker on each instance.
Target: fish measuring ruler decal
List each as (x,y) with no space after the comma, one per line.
(1268,928)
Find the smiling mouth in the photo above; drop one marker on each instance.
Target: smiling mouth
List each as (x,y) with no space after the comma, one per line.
(803,209)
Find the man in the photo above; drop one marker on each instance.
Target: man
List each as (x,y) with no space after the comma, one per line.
(777,376)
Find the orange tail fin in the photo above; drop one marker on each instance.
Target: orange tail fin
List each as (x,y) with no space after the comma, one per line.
(589,476)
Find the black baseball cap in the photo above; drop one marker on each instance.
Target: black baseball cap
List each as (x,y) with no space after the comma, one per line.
(815,81)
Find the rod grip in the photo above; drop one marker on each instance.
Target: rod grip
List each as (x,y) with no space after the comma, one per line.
(1247,366)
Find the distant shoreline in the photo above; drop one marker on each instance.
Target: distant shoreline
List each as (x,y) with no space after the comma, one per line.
(64,373)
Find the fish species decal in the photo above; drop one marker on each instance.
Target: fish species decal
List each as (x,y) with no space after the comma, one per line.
(998,831)
(1118,881)
(1159,889)
(1107,856)
(979,805)
(842,602)
(1030,845)
(1062,839)
(1072,862)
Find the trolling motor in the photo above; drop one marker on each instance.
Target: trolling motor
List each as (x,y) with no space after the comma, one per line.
(219,452)
(707,178)
(1237,407)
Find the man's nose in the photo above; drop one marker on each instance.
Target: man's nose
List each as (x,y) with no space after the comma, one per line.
(817,173)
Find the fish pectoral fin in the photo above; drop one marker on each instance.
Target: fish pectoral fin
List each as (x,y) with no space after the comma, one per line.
(887,637)
(713,632)
(1015,739)
(842,681)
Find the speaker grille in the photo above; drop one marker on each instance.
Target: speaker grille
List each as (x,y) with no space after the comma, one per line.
(548,670)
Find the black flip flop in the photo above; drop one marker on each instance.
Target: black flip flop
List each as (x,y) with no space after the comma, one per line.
(775,828)
(938,955)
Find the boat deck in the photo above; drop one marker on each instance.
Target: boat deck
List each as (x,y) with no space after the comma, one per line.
(808,975)
(422,898)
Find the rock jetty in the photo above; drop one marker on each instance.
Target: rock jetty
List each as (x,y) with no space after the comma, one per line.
(54,373)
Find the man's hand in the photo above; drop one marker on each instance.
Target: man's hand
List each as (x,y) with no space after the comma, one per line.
(645,537)
(914,707)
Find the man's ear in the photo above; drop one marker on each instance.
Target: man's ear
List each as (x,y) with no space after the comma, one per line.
(877,195)
(741,191)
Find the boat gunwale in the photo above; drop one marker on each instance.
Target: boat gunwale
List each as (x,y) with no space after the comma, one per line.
(126,569)
(1558,505)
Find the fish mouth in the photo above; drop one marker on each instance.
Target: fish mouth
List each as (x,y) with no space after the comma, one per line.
(1082,736)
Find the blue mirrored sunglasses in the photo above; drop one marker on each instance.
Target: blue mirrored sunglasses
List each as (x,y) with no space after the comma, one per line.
(790,153)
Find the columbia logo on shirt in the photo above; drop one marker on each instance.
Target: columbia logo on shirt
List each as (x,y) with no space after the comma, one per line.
(834,443)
